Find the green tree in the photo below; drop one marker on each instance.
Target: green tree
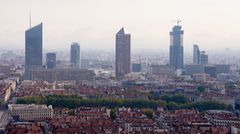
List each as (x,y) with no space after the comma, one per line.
(230,85)
(73,101)
(172,106)
(201,88)
(180,98)
(166,98)
(113,114)
(71,112)
(148,112)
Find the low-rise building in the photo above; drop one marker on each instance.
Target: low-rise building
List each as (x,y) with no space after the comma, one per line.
(201,77)
(163,70)
(222,77)
(23,128)
(5,91)
(52,75)
(85,120)
(194,69)
(4,120)
(211,70)
(222,68)
(222,118)
(134,121)
(30,112)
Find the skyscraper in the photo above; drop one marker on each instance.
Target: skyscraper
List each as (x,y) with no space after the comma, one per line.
(123,53)
(196,54)
(75,55)
(51,60)
(33,49)
(203,58)
(176,47)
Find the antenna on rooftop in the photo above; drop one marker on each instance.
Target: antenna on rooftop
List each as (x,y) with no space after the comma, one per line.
(139,59)
(178,21)
(30,20)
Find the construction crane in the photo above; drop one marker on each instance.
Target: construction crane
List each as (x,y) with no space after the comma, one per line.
(178,21)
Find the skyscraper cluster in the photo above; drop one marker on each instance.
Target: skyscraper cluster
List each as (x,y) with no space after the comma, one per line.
(34,50)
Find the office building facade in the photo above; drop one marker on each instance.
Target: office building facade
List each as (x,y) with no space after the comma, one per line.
(223,68)
(51,60)
(75,55)
(33,49)
(203,58)
(136,67)
(176,47)
(194,69)
(211,70)
(52,75)
(196,54)
(123,53)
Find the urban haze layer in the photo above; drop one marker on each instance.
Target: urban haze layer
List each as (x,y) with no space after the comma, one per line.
(120,91)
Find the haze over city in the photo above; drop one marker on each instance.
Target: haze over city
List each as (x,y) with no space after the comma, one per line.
(119,67)
(93,23)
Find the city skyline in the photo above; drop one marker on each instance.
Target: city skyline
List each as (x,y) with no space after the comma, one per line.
(96,29)
(119,66)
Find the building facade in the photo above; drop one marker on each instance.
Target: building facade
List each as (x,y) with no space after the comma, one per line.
(223,68)
(194,69)
(123,53)
(136,67)
(30,112)
(52,75)
(203,58)
(51,60)
(33,49)
(201,77)
(196,54)
(211,70)
(75,55)
(176,47)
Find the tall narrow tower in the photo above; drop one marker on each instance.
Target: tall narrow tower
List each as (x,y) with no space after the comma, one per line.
(203,58)
(75,55)
(51,60)
(33,49)
(196,54)
(176,47)
(123,53)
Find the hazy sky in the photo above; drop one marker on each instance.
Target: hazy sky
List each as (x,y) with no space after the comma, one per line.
(94,23)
